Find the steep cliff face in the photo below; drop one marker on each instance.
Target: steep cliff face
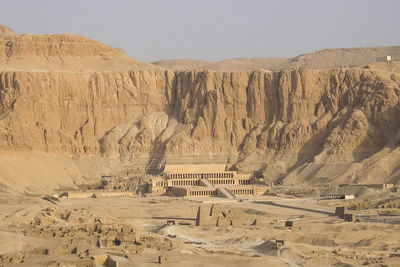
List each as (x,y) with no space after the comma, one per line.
(67,112)
(257,119)
(315,126)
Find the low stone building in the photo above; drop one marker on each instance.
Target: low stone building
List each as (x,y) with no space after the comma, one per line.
(289,224)
(340,212)
(349,218)
(336,196)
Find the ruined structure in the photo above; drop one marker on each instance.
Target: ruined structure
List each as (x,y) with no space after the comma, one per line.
(220,217)
(95,194)
(81,234)
(206,180)
(373,186)
(104,260)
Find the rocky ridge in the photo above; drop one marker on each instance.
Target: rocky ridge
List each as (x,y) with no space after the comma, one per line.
(294,125)
(323,59)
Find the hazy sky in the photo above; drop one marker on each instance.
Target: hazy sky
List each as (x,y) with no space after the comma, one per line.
(150,30)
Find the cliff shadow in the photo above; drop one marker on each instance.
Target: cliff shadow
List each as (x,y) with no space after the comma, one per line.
(383,131)
(313,147)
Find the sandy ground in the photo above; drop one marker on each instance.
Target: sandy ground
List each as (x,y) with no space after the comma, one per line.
(317,238)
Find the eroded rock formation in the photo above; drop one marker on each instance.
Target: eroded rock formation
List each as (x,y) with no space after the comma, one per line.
(289,123)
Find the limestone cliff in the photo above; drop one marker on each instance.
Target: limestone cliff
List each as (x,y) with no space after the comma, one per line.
(132,114)
(315,126)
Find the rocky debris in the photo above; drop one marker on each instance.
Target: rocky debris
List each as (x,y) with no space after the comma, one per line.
(59,216)
(139,184)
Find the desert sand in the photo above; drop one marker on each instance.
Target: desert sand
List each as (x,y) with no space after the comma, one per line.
(36,234)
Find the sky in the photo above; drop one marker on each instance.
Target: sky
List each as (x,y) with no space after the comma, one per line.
(213,30)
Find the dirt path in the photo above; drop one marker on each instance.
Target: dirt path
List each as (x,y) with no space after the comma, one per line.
(296,206)
(287,260)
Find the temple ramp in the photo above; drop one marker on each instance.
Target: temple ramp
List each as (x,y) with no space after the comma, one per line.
(205,182)
(223,192)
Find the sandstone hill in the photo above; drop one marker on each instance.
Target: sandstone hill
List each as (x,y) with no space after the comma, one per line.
(61,52)
(230,65)
(184,64)
(324,59)
(67,116)
(342,57)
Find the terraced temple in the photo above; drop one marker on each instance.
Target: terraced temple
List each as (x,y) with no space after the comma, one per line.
(206,180)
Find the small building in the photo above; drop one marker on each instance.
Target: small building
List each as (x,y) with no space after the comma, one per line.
(340,212)
(289,224)
(384,58)
(349,218)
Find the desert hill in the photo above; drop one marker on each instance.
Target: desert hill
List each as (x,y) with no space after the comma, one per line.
(343,57)
(236,64)
(183,64)
(67,116)
(324,59)
(61,52)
